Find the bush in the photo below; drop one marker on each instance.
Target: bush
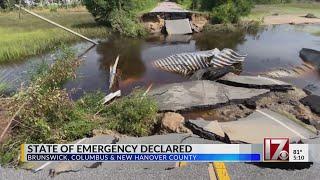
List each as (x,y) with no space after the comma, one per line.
(185,3)
(78,127)
(225,13)
(120,15)
(8,4)
(48,115)
(122,22)
(91,103)
(222,11)
(231,11)
(134,115)
(53,7)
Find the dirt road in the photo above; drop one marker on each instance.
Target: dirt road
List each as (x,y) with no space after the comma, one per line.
(168,7)
(289,19)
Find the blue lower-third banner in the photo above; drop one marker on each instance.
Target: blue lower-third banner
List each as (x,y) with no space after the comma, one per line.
(146,157)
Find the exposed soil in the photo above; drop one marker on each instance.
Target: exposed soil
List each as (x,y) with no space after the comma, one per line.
(290,19)
(222,114)
(285,103)
(4,118)
(198,21)
(155,23)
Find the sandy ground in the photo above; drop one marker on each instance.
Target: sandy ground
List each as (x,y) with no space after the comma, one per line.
(289,19)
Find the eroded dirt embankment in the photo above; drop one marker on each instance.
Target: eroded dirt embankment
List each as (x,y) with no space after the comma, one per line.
(155,22)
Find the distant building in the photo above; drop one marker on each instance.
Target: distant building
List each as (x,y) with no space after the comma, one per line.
(47,2)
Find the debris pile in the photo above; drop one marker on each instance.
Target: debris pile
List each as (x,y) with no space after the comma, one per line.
(191,95)
(311,56)
(173,123)
(252,129)
(257,82)
(293,72)
(310,15)
(178,26)
(188,63)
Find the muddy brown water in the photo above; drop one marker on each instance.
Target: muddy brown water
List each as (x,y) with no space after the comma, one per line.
(269,48)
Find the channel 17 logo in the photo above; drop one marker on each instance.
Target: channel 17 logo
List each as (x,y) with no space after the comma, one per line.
(276,149)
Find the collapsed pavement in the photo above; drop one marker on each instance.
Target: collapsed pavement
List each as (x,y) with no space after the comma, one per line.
(313,100)
(254,128)
(257,82)
(243,98)
(311,56)
(256,98)
(192,95)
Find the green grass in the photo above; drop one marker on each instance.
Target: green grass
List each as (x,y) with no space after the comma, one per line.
(20,38)
(48,113)
(294,119)
(50,116)
(186,4)
(133,114)
(259,11)
(144,6)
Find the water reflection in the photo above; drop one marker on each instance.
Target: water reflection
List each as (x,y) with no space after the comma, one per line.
(130,62)
(269,48)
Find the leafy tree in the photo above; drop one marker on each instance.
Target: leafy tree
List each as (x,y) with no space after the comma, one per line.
(222,11)
(8,4)
(230,10)
(120,15)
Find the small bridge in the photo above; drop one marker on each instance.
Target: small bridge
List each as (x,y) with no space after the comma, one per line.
(170,18)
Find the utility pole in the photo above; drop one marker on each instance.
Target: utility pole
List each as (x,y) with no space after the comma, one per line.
(20,9)
(56,24)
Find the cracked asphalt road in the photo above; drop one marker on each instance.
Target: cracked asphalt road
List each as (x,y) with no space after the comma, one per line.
(163,170)
(168,171)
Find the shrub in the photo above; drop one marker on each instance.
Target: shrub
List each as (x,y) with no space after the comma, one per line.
(243,7)
(186,3)
(91,102)
(78,127)
(134,115)
(53,7)
(222,11)
(8,4)
(122,22)
(48,115)
(208,4)
(231,11)
(225,13)
(120,14)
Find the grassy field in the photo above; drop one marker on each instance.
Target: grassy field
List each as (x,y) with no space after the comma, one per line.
(29,35)
(260,11)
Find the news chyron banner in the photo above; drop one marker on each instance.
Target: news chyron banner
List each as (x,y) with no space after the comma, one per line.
(272,150)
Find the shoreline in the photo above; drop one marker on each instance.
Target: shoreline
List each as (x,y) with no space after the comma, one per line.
(289,19)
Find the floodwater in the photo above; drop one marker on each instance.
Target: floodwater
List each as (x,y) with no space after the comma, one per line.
(270,48)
